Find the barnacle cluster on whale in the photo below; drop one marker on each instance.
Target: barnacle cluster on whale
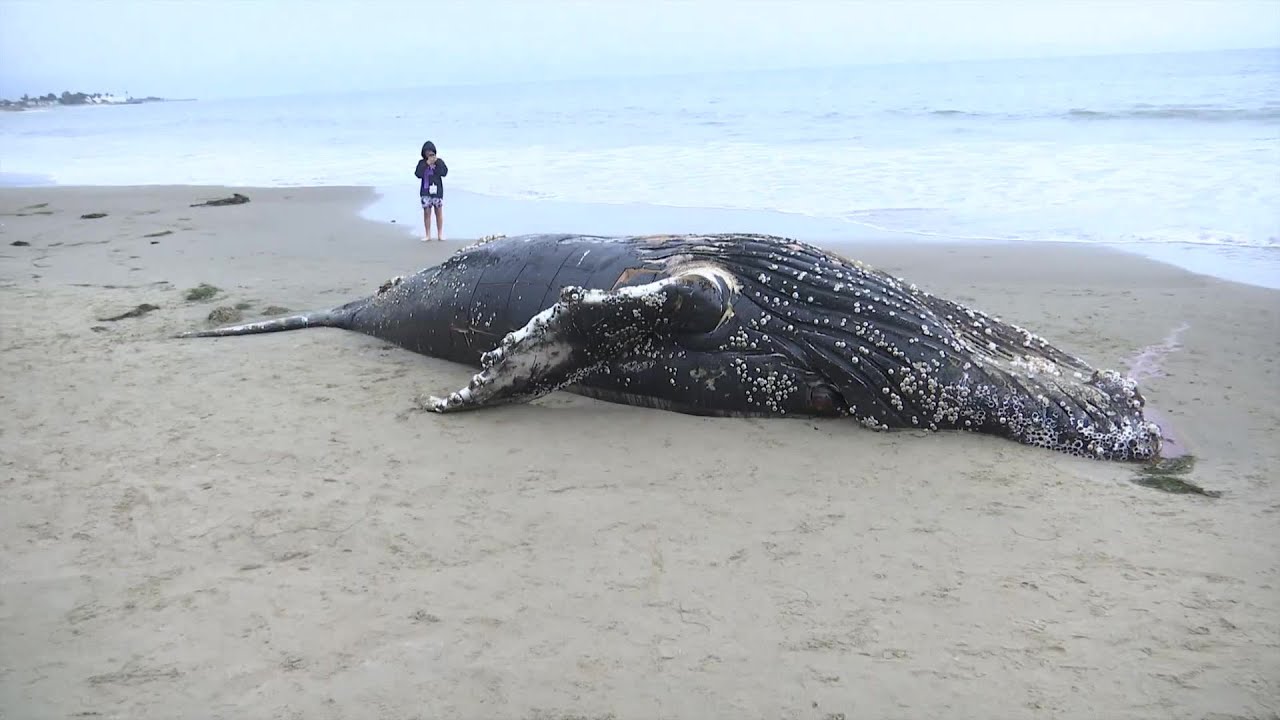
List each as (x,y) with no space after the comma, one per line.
(738,325)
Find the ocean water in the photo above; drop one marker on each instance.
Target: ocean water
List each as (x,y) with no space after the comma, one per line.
(1174,155)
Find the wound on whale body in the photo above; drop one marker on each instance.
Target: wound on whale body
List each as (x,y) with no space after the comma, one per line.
(737,325)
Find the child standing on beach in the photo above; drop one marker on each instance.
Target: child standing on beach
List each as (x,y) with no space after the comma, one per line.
(431,169)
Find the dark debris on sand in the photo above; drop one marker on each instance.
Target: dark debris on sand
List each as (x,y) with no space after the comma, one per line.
(1167,474)
(201,292)
(225,314)
(235,199)
(138,311)
(92,216)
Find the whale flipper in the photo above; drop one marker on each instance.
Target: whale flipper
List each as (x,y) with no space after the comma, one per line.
(587,329)
(320,318)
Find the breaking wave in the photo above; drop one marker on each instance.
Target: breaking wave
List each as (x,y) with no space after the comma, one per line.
(1208,113)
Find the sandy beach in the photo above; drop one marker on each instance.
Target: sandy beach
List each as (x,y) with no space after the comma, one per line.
(267,527)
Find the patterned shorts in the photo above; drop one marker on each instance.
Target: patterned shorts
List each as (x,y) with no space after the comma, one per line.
(431,201)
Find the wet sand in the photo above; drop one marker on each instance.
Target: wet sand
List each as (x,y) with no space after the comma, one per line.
(265,527)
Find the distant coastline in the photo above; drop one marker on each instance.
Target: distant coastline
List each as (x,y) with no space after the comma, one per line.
(68,98)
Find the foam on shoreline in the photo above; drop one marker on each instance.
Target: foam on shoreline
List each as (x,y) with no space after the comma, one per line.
(469,214)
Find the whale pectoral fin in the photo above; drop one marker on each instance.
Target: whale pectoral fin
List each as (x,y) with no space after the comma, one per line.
(582,332)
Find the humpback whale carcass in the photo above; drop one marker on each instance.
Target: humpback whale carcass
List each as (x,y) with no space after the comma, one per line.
(737,325)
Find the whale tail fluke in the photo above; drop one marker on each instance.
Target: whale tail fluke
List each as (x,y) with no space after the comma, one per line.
(321,318)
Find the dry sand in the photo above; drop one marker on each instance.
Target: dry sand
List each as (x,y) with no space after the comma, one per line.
(263,527)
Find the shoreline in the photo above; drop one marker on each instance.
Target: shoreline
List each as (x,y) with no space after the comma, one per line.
(1247,265)
(477,215)
(265,527)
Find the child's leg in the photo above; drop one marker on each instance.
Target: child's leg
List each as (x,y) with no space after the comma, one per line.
(426,222)
(440,221)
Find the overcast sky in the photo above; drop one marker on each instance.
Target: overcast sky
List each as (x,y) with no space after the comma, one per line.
(219,48)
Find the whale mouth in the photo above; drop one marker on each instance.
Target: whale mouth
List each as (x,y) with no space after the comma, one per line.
(1168,445)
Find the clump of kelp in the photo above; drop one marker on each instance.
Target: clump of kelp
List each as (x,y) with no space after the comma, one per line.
(1170,475)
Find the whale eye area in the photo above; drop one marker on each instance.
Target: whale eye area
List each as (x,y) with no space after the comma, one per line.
(824,400)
